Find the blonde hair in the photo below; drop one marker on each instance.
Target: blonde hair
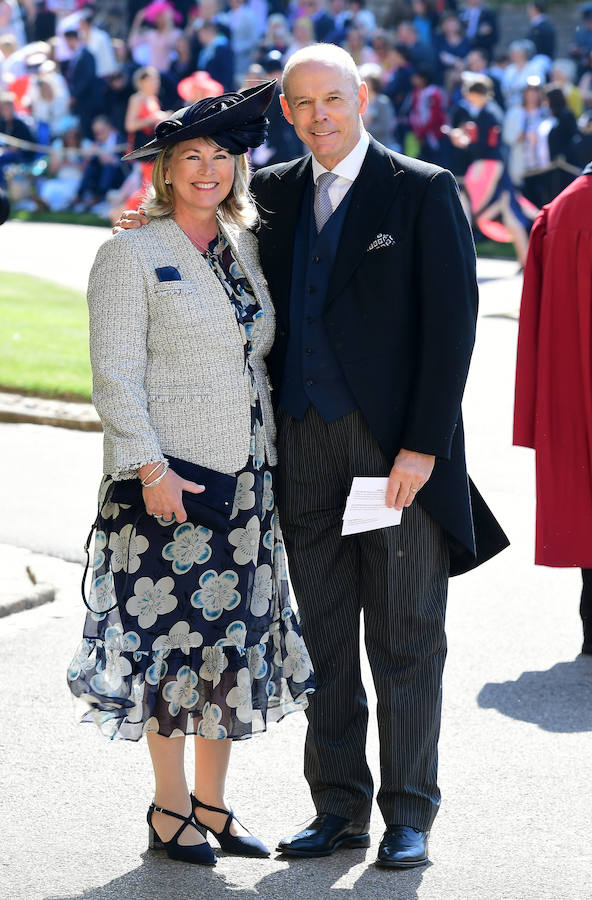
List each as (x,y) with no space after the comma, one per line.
(238,208)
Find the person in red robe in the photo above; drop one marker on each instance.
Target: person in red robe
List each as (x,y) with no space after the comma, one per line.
(553,408)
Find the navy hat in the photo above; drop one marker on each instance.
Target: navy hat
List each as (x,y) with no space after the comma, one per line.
(235,121)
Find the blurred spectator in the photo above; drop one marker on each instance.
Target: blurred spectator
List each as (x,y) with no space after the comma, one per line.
(357,48)
(16,127)
(360,17)
(65,168)
(277,37)
(104,170)
(197,86)
(523,65)
(379,118)
(216,56)
(427,115)
(143,109)
(321,21)
(398,88)
(382,45)
(581,46)
(12,21)
(452,47)
(84,86)
(244,35)
(48,106)
(282,144)
(118,90)
(563,128)
(563,73)
(481,26)
(487,181)
(98,42)
(420,54)
(527,141)
(342,19)
(425,21)
(154,34)
(581,145)
(541,31)
(585,83)
(303,31)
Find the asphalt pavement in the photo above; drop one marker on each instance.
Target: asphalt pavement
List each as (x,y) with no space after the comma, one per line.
(516,744)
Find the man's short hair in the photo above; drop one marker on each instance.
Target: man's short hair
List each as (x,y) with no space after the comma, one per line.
(329,54)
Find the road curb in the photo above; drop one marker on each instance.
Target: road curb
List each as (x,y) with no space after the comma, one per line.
(21,408)
(36,596)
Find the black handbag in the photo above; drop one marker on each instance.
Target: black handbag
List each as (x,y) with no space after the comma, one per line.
(211,508)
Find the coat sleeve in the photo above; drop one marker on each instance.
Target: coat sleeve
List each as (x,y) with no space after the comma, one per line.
(448,297)
(118,320)
(528,335)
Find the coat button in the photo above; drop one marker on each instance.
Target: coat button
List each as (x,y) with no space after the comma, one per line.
(316,259)
(308,351)
(309,382)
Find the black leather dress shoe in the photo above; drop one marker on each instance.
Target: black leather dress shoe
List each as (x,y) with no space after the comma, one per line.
(325,834)
(403,847)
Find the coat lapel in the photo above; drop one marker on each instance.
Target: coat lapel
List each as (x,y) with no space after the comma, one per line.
(278,239)
(373,193)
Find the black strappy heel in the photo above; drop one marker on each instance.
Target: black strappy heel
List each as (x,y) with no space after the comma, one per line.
(193,853)
(230,843)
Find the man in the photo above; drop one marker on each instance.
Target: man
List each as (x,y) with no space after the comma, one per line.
(16,127)
(553,378)
(216,56)
(85,87)
(376,314)
(481,25)
(104,171)
(373,278)
(541,31)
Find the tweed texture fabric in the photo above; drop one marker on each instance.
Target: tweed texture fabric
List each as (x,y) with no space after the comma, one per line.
(168,361)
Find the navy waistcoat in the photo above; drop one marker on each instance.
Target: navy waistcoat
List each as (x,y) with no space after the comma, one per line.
(311,371)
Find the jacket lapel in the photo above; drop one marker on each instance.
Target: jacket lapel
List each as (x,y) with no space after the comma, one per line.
(373,193)
(288,188)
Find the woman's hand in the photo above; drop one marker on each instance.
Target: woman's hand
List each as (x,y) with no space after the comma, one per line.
(130,218)
(165,499)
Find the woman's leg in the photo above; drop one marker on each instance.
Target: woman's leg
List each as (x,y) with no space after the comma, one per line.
(171,791)
(211,766)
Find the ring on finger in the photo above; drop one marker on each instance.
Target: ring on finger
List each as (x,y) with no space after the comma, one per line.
(413,490)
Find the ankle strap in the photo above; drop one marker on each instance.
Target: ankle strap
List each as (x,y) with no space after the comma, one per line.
(226,812)
(169,812)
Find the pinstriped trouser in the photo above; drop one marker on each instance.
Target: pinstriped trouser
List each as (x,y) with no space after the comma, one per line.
(399,577)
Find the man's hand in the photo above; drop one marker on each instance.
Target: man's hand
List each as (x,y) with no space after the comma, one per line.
(410,472)
(130,218)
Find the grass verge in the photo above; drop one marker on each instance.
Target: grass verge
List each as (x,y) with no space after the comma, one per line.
(43,338)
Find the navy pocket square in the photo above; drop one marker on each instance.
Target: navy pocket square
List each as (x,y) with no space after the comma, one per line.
(168,273)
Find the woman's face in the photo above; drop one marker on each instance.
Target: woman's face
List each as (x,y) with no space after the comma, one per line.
(201,175)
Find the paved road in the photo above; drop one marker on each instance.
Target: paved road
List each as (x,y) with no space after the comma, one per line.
(516,747)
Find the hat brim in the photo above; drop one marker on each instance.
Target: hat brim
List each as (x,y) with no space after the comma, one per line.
(253,106)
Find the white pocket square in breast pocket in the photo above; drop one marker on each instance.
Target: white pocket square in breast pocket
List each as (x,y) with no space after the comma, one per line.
(381,241)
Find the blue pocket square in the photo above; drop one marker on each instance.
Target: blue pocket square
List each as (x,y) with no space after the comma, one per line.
(168,273)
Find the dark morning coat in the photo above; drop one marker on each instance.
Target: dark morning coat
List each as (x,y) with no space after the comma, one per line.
(400,318)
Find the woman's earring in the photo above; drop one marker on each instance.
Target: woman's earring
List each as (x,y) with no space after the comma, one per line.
(166,181)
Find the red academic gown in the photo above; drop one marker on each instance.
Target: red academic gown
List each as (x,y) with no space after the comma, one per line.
(553,409)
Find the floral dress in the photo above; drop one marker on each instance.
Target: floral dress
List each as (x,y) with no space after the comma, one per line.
(190,630)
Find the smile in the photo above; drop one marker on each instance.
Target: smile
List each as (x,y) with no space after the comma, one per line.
(205,185)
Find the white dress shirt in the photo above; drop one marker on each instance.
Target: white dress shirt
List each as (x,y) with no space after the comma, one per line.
(347,170)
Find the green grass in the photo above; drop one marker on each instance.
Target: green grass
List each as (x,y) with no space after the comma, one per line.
(43,338)
(65,217)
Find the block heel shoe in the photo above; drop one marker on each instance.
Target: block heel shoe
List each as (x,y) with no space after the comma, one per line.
(240,845)
(201,854)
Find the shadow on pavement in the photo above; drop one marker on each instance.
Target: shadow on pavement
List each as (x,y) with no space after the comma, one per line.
(302,879)
(556,700)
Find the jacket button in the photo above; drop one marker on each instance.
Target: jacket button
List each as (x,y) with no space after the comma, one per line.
(308,351)
(316,259)
(309,382)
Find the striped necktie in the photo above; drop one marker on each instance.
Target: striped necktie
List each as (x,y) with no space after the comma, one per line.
(322,202)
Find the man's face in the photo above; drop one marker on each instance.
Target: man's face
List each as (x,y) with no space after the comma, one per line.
(324,106)
(6,110)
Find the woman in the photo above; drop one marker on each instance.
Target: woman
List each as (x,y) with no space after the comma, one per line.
(190,629)
(143,109)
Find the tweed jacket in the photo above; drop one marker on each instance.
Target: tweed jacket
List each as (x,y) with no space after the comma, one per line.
(167,357)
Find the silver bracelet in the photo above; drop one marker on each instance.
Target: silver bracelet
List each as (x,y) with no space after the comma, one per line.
(151,472)
(159,478)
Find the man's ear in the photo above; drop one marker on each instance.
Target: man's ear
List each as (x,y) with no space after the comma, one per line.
(286,109)
(363,97)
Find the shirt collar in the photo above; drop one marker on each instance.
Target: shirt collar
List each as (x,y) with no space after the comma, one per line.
(348,168)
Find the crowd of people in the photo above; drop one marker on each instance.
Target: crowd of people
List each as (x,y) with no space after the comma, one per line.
(75,95)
